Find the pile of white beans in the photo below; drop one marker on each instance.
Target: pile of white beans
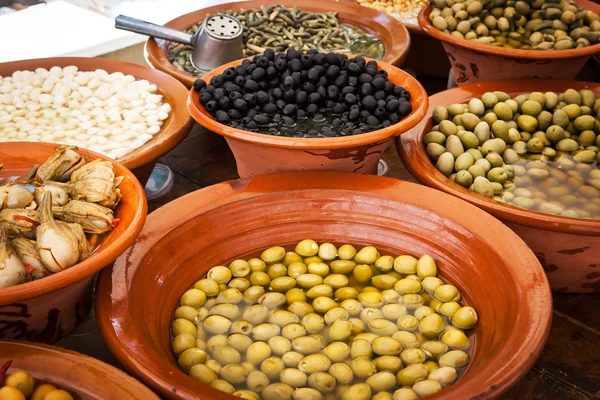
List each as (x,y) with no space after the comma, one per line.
(112,114)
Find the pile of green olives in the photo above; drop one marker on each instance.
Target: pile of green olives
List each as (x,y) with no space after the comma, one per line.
(323,322)
(539,151)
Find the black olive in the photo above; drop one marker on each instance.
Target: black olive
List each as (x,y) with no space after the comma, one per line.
(353,81)
(344,63)
(222,117)
(270,108)
(320,69)
(251,86)
(357,131)
(380,112)
(388,87)
(405,94)
(381,103)
(239,80)
(323,81)
(229,74)
(234,114)
(306,60)
(338,108)
(209,89)
(371,71)
(292,54)
(277,93)
(301,114)
(259,73)
(371,64)
(318,59)
(249,98)
(312,51)
(394,118)
(314,98)
(240,105)
(364,113)
(304,75)
(261,119)
(336,123)
(346,90)
(271,72)
(332,72)
(205,98)
(313,75)
(365,78)
(288,121)
(386,123)
(273,82)
(262,62)
(276,117)
(288,82)
(212,106)
(398,91)
(312,108)
(246,62)
(333,92)
(297,76)
(332,59)
(383,74)
(220,92)
(341,81)
(280,65)
(224,102)
(350,99)
(353,115)
(301,97)
(251,113)
(392,105)
(378,83)
(354,68)
(252,125)
(355,107)
(231,87)
(217,80)
(295,65)
(309,87)
(365,89)
(245,120)
(290,110)
(269,54)
(404,109)
(199,84)
(312,133)
(372,121)
(262,97)
(280,104)
(289,96)
(369,103)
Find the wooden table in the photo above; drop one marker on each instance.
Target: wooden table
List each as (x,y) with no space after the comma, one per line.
(569,366)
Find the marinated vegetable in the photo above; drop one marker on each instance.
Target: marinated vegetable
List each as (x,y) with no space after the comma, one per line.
(305,95)
(526,25)
(45,232)
(281,28)
(538,151)
(20,385)
(353,323)
(405,10)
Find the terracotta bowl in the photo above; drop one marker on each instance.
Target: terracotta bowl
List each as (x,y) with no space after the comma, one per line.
(568,248)
(241,218)
(474,62)
(257,153)
(142,160)
(389,30)
(80,375)
(47,309)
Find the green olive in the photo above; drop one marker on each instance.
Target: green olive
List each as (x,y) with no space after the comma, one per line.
(446,376)
(342,373)
(273,255)
(337,351)
(404,393)
(363,367)
(314,363)
(427,387)
(411,374)
(191,357)
(290,359)
(454,359)
(277,391)
(223,386)
(405,264)
(257,352)
(465,318)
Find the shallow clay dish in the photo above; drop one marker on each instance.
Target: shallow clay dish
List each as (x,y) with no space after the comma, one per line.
(473,62)
(390,31)
(47,309)
(568,248)
(76,373)
(136,298)
(175,128)
(257,153)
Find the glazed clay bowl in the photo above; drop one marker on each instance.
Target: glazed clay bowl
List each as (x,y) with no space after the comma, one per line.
(474,62)
(257,153)
(47,309)
(175,128)
(568,248)
(137,296)
(80,375)
(390,31)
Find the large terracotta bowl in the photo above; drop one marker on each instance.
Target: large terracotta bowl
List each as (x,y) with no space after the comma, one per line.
(137,297)
(175,128)
(80,375)
(390,31)
(47,309)
(568,248)
(474,62)
(257,153)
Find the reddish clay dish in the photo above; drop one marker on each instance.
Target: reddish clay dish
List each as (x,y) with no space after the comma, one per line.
(568,248)
(257,153)
(47,309)
(84,377)
(390,31)
(142,160)
(238,219)
(475,62)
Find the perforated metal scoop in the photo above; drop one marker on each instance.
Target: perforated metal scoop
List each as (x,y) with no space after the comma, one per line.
(217,42)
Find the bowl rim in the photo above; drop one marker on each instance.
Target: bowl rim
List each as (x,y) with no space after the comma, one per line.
(414,157)
(202,116)
(45,349)
(101,258)
(113,291)
(399,32)
(173,130)
(427,26)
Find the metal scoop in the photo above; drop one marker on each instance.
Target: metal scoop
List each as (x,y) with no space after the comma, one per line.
(217,42)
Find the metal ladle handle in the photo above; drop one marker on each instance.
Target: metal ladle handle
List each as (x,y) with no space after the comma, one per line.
(149,29)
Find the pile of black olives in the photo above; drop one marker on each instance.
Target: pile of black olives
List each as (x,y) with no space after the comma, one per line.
(305,95)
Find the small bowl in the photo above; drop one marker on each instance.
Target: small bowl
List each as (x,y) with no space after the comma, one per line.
(47,309)
(568,248)
(389,30)
(258,153)
(136,298)
(175,128)
(474,62)
(80,375)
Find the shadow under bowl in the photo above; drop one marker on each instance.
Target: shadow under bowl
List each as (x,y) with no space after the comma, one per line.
(136,298)
(258,153)
(174,129)
(568,248)
(47,309)
(474,62)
